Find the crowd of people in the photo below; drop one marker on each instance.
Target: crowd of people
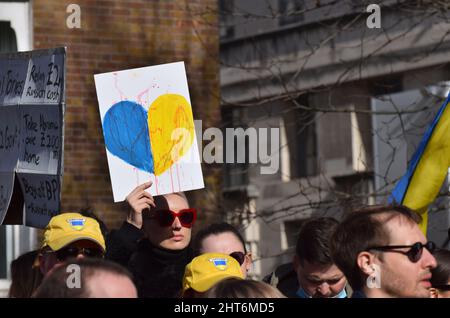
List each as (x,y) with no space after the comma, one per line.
(377,251)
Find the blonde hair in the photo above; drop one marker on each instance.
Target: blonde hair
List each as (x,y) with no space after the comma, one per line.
(180,194)
(243,288)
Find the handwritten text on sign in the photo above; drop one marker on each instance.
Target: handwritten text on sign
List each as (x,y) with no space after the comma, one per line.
(41,139)
(41,194)
(32,101)
(9,137)
(13,73)
(6,188)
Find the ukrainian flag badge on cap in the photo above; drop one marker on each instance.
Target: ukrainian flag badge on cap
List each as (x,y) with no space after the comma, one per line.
(219,263)
(66,228)
(77,224)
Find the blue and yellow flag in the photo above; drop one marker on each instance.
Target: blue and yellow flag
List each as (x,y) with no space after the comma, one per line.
(427,170)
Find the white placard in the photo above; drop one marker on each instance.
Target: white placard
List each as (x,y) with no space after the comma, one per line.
(143,112)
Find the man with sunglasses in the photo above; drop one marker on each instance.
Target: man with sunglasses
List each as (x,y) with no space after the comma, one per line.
(70,235)
(383,253)
(153,243)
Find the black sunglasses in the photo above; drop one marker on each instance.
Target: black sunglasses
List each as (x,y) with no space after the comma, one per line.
(414,253)
(72,252)
(239,256)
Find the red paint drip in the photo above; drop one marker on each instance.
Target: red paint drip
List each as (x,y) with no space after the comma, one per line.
(171,178)
(156,185)
(140,96)
(116,85)
(178,177)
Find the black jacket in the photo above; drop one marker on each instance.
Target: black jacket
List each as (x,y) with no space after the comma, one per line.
(285,279)
(157,272)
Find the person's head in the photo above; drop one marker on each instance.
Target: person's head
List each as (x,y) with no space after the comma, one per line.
(317,274)
(169,224)
(24,277)
(381,251)
(226,239)
(440,281)
(206,270)
(70,235)
(242,288)
(91,278)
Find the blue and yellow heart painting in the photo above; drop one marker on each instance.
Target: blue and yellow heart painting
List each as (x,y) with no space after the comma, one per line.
(148,129)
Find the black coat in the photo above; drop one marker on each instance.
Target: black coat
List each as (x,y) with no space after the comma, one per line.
(285,279)
(157,272)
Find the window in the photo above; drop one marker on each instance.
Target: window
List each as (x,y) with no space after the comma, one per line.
(8,42)
(307,144)
(226,8)
(386,85)
(236,174)
(300,126)
(291,231)
(16,28)
(290,11)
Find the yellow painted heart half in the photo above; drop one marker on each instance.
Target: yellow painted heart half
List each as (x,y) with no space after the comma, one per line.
(171,130)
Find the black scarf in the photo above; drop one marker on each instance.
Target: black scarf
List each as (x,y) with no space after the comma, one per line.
(158,272)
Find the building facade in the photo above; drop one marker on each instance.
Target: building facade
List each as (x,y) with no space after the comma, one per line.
(321,73)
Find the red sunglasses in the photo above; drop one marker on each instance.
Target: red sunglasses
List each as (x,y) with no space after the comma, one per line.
(166,217)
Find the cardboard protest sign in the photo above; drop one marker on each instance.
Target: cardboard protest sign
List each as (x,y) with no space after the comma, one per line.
(149,131)
(32,102)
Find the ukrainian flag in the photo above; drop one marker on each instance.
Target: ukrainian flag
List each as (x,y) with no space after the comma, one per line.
(427,170)
(77,224)
(220,263)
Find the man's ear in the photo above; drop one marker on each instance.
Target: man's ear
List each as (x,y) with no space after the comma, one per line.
(249,260)
(365,261)
(434,293)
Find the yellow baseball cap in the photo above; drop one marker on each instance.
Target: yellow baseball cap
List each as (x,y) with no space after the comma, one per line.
(67,228)
(204,271)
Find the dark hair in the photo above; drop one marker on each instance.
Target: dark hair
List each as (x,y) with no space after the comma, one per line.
(313,243)
(441,274)
(191,293)
(215,229)
(88,212)
(55,284)
(242,288)
(360,230)
(24,277)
